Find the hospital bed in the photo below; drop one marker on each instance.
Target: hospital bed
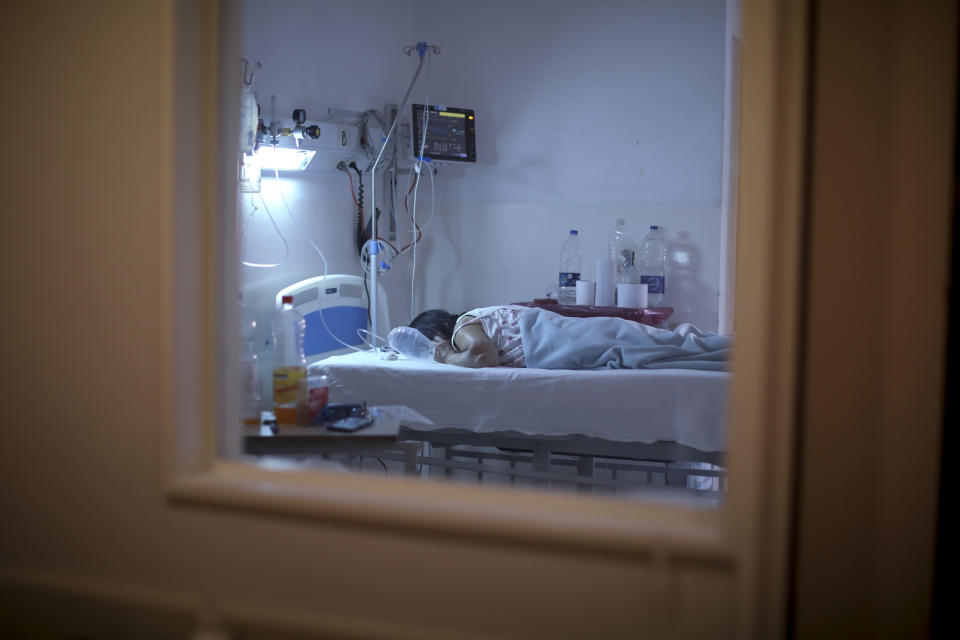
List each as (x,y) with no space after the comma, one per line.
(577,427)
(558,425)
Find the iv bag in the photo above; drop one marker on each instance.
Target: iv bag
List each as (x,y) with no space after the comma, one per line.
(411,343)
(249,117)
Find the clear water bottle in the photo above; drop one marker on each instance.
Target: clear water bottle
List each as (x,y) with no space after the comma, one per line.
(251,398)
(409,342)
(652,251)
(569,269)
(318,393)
(622,251)
(289,364)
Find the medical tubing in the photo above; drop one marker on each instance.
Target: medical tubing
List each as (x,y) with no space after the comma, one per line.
(353,193)
(433,200)
(373,194)
(418,236)
(386,141)
(367,291)
(361,235)
(323,281)
(413,269)
(360,333)
(286,248)
(246,221)
(393,198)
(406,207)
(403,103)
(416,230)
(365,144)
(360,232)
(359,199)
(419,232)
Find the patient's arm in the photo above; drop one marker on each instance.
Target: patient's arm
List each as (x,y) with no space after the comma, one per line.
(476,349)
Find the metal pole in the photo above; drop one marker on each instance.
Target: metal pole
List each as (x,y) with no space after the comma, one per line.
(374,253)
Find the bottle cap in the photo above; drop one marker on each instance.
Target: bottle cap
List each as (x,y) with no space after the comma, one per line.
(286,300)
(654,227)
(573,232)
(621,221)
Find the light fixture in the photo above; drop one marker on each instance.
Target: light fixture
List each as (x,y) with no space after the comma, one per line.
(284,156)
(249,174)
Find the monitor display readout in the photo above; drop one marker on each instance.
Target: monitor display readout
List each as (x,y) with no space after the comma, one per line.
(450,133)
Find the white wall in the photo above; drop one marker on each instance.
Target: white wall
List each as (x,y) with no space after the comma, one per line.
(585,113)
(317,55)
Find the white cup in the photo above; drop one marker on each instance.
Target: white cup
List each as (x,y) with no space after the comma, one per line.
(632,296)
(586,292)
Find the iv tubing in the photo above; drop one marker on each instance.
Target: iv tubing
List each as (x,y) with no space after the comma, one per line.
(286,249)
(433,199)
(416,230)
(276,173)
(374,253)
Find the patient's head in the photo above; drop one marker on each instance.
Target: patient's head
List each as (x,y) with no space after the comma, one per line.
(435,323)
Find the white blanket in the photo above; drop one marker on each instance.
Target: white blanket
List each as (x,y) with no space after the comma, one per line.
(623,405)
(553,341)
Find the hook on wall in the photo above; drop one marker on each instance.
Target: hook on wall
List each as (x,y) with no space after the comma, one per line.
(421,48)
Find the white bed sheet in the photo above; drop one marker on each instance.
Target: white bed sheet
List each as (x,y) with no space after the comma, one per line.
(623,405)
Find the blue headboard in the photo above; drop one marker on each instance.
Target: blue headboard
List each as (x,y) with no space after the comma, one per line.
(343,301)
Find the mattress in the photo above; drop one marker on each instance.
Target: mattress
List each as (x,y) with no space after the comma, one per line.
(622,405)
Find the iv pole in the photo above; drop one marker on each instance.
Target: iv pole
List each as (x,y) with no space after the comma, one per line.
(421,48)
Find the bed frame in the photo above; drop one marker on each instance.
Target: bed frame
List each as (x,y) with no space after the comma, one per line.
(481,422)
(549,460)
(588,464)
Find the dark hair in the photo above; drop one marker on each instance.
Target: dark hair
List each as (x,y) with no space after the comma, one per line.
(435,322)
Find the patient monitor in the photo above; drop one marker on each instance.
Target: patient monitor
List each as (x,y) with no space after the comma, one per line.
(450,134)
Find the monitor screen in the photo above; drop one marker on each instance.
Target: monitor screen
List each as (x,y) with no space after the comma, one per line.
(451,133)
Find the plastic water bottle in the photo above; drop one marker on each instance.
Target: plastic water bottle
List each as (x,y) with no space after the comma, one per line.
(409,342)
(318,394)
(652,251)
(289,365)
(569,269)
(622,251)
(251,398)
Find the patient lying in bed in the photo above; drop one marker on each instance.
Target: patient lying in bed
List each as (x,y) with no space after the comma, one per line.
(517,336)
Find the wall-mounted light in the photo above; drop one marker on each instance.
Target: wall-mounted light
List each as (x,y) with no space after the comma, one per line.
(249,174)
(282,157)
